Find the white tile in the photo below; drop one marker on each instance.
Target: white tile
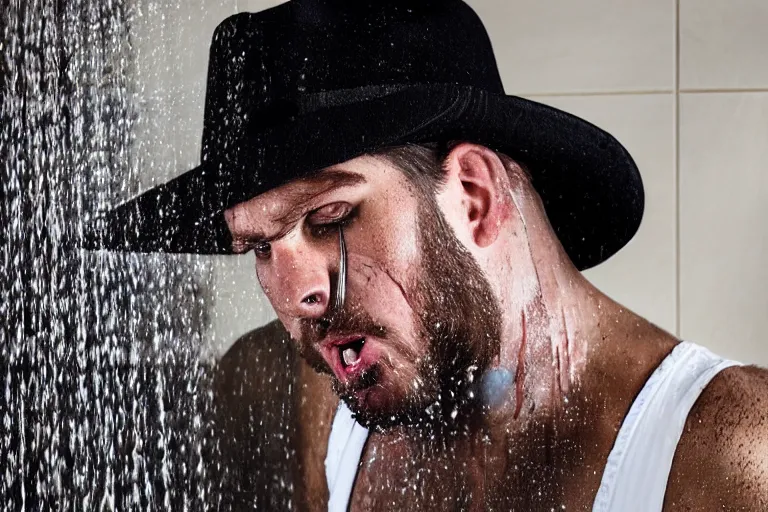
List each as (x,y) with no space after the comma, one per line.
(257,5)
(723,44)
(565,46)
(724,223)
(642,275)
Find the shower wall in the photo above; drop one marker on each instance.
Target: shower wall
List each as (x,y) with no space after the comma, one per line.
(93,414)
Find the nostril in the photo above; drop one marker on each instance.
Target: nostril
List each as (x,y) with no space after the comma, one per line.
(314,304)
(311,299)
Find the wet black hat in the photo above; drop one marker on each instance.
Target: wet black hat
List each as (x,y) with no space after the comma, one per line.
(312,83)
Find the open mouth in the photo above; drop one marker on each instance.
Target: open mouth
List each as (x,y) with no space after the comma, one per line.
(349,352)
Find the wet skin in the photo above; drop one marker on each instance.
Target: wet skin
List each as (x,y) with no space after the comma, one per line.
(571,359)
(303,262)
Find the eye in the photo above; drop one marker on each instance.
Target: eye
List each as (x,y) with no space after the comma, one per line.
(329,217)
(262,250)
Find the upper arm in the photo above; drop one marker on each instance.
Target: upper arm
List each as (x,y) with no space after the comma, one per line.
(272,418)
(721,460)
(252,425)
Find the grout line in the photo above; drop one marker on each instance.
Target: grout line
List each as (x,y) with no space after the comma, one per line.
(676,90)
(720,91)
(676,128)
(595,93)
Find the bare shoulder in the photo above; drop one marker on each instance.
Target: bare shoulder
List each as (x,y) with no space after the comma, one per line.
(254,381)
(721,462)
(272,418)
(246,362)
(251,422)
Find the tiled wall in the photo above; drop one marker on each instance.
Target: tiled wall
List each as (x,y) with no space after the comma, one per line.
(683,84)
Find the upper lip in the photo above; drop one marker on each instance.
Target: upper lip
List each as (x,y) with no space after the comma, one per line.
(328,347)
(334,342)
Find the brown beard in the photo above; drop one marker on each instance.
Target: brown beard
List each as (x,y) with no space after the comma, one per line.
(459,323)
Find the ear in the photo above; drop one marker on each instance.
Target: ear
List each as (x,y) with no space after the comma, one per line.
(481,178)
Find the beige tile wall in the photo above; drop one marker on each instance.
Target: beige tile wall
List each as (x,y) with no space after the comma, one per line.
(682,83)
(724,221)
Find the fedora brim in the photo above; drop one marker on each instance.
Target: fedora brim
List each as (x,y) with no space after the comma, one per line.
(589,184)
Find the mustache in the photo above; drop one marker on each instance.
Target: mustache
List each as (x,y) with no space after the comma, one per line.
(351,319)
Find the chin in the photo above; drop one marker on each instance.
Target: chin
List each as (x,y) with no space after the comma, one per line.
(379,418)
(446,411)
(388,404)
(373,398)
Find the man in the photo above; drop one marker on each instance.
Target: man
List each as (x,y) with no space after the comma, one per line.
(420,235)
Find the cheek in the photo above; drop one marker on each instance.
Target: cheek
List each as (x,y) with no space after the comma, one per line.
(290,325)
(282,313)
(382,291)
(266,285)
(452,205)
(386,298)
(387,232)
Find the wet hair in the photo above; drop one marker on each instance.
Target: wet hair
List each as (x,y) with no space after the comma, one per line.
(424,164)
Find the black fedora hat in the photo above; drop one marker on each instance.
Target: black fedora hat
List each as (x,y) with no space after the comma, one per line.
(312,83)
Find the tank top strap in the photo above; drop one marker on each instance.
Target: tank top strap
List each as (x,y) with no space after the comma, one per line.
(345,447)
(636,474)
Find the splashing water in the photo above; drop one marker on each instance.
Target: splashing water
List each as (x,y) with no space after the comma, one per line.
(103,392)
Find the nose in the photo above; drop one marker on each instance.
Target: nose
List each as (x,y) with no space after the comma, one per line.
(299,280)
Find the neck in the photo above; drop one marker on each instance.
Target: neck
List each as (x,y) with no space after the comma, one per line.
(561,337)
(569,367)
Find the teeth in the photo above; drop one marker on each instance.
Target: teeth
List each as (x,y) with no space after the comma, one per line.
(350,356)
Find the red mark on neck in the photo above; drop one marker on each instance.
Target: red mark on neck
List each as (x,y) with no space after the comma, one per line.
(519,377)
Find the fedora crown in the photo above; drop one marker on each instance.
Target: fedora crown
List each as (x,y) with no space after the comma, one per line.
(266,68)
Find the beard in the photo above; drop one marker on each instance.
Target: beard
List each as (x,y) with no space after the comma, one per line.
(458,323)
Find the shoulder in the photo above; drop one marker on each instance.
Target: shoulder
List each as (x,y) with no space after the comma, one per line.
(251,417)
(722,457)
(257,373)
(254,357)
(273,415)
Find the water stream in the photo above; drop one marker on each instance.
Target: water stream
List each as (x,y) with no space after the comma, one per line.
(103,394)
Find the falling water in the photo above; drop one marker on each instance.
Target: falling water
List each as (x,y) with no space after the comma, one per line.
(103,395)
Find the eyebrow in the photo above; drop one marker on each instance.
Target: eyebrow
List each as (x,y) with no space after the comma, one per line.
(329,179)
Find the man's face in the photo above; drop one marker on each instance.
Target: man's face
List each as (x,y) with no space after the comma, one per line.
(420,321)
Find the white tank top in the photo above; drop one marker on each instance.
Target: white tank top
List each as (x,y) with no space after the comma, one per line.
(635,476)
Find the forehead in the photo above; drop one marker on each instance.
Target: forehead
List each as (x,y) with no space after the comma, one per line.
(280,205)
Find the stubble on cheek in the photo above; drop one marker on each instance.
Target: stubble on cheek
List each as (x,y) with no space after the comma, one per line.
(382,292)
(395,376)
(378,308)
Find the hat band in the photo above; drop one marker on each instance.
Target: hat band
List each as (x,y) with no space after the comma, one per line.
(312,102)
